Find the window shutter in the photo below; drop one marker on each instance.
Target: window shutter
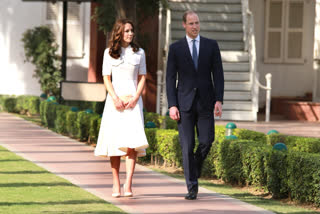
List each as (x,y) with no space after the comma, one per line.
(294,32)
(274,31)
(75,31)
(52,20)
(52,11)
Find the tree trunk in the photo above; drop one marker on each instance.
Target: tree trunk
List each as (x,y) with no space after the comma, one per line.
(126,9)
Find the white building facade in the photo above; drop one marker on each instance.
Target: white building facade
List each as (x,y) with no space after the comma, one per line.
(287,45)
(16,17)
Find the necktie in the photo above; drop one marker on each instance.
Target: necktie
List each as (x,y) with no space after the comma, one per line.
(194,54)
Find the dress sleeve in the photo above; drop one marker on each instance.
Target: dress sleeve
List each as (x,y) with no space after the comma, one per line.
(106,66)
(142,66)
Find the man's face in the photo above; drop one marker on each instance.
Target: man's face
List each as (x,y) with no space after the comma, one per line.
(192,25)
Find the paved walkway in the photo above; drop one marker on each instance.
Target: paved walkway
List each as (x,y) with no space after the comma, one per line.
(74,161)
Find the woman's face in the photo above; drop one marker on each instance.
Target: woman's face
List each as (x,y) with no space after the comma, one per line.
(128,33)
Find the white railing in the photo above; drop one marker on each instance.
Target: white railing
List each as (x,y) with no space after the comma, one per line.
(159,72)
(161,105)
(250,46)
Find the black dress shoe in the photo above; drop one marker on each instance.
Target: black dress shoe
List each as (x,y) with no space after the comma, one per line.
(192,195)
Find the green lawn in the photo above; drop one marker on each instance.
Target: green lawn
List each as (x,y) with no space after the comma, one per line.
(26,188)
(246,196)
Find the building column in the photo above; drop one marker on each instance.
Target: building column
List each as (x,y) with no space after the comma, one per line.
(316,55)
(97,47)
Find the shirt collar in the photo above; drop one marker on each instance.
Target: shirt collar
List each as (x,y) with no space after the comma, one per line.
(190,39)
(127,50)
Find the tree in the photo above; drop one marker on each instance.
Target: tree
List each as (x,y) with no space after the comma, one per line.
(110,10)
(40,49)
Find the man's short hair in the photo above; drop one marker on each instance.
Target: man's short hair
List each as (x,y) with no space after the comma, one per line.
(188,12)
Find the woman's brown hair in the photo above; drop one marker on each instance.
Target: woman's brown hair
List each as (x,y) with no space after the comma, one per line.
(116,37)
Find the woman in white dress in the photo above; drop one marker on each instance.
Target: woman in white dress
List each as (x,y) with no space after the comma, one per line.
(122,127)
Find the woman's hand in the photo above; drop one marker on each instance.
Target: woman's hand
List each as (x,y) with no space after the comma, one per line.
(132,102)
(118,103)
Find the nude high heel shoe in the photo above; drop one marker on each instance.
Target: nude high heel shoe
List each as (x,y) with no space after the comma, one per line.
(115,195)
(126,194)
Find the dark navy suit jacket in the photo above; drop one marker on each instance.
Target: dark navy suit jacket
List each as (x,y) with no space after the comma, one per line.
(208,80)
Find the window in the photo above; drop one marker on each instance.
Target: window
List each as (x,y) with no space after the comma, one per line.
(284,31)
(75,31)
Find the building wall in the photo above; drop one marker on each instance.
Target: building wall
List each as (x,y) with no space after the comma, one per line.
(15,74)
(287,79)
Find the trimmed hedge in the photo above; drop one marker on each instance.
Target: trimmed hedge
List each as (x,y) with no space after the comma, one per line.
(164,147)
(246,134)
(60,123)
(81,125)
(21,104)
(94,127)
(163,122)
(72,128)
(9,104)
(299,144)
(303,177)
(83,105)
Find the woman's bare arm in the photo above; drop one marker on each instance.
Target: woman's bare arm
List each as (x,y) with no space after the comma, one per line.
(116,100)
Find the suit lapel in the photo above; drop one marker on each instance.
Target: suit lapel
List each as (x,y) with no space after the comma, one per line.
(186,50)
(201,51)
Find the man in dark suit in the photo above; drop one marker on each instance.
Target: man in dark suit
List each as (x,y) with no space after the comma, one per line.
(196,62)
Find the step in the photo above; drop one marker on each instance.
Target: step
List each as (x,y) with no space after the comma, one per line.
(211,17)
(237,105)
(226,45)
(237,115)
(209,1)
(208,7)
(237,86)
(227,36)
(236,76)
(231,45)
(236,66)
(212,26)
(237,95)
(234,56)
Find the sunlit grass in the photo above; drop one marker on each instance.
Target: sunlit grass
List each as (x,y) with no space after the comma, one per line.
(28,188)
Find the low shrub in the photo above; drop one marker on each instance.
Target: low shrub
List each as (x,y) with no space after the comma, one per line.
(245,134)
(72,128)
(277,182)
(60,123)
(96,107)
(9,104)
(94,127)
(83,125)
(303,177)
(168,147)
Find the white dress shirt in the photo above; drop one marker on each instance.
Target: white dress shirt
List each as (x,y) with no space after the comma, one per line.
(190,44)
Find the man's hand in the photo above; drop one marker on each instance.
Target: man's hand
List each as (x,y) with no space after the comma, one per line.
(174,113)
(218,109)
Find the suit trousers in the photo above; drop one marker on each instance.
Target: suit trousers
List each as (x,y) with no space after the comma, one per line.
(201,118)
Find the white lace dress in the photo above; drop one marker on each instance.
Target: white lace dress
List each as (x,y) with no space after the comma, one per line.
(122,130)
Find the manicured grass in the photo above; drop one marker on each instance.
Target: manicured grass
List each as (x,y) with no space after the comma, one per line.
(27,188)
(245,196)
